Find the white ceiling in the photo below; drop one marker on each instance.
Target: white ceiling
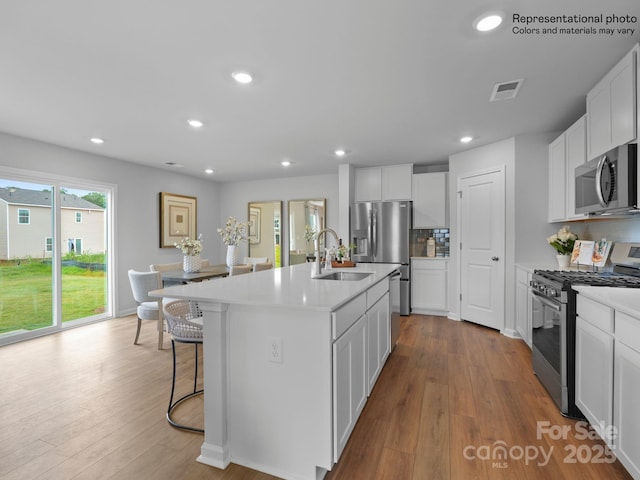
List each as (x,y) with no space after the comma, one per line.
(391,81)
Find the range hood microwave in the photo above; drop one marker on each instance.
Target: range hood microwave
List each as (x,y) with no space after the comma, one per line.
(608,184)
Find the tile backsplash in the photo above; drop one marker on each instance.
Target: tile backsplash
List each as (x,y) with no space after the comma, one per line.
(418,241)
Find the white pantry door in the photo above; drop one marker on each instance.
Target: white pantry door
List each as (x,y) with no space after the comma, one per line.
(482,231)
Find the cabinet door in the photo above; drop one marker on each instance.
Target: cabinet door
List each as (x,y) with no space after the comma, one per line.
(594,373)
(611,108)
(368,184)
(627,413)
(623,101)
(557,180)
(430,200)
(429,286)
(575,155)
(378,339)
(598,120)
(349,383)
(396,182)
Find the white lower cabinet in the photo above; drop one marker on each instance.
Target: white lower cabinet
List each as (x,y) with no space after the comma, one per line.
(349,382)
(378,339)
(626,392)
(594,374)
(362,333)
(608,377)
(429,286)
(523,305)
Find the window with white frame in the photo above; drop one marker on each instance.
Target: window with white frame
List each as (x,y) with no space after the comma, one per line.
(23,216)
(78,217)
(48,244)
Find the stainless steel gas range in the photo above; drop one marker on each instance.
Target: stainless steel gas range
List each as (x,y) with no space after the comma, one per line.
(554,319)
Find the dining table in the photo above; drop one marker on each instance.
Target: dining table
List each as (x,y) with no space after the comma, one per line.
(180,277)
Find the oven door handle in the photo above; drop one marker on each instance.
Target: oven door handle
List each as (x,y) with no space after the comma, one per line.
(548,303)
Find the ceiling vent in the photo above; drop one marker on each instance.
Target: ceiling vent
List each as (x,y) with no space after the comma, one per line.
(506,90)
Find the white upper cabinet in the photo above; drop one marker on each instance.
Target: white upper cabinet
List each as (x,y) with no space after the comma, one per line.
(430,200)
(383,183)
(396,182)
(612,108)
(566,153)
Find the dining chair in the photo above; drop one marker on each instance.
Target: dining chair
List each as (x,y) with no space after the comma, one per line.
(240,269)
(184,324)
(165,267)
(262,266)
(147,307)
(252,260)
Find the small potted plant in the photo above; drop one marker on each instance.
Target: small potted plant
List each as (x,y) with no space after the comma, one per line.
(563,243)
(232,234)
(190,248)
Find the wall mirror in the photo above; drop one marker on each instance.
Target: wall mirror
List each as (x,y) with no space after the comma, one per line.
(265,231)
(304,216)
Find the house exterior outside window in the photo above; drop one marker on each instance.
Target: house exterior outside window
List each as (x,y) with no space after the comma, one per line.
(48,245)
(24,216)
(78,217)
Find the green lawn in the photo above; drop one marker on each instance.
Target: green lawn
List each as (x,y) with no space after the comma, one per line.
(25,294)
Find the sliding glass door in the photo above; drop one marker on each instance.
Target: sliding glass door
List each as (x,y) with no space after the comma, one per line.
(54,245)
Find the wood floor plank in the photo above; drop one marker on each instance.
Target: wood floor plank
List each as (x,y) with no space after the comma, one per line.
(86,403)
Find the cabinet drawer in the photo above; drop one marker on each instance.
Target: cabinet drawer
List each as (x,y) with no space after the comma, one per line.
(597,314)
(420,264)
(348,314)
(628,330)
(376,292)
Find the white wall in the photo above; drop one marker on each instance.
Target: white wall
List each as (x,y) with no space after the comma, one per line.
(235,198)
(137,209)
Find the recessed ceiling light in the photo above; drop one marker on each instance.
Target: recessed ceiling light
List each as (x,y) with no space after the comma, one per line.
(242,77)
(209,171)
(97,141)
(285,163)
(195,123)
(488,21)
(466,139)
(340,152)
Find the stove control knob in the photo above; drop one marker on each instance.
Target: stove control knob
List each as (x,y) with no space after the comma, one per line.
(553,292)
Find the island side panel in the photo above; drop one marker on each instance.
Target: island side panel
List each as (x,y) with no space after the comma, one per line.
(214,450)
(280,413)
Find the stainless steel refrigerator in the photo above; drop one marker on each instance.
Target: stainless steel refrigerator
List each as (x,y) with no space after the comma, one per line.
(380,231)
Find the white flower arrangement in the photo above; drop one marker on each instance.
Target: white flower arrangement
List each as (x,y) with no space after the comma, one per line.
(234,232)
(190,247)
(563,241)
(309,233)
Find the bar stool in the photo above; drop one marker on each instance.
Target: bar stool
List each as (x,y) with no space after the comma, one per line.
(184,322)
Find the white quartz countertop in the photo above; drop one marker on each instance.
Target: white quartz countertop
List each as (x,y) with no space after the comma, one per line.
(626,300)
(282,287)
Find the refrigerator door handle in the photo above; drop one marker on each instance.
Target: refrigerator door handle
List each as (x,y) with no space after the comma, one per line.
(374,234)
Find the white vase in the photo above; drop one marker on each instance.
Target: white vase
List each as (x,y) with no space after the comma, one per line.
(191,263)
(563,260)
(232,256)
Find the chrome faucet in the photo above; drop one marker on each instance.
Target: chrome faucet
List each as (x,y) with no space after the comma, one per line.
(317,267)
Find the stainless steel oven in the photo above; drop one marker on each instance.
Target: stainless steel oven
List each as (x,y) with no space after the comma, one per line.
(549,347)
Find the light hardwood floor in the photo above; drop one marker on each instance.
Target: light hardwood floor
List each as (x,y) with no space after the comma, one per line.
(87,404)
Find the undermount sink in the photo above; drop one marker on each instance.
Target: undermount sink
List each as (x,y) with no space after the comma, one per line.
(345,276)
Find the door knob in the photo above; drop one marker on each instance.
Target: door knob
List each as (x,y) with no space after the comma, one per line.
(495,259)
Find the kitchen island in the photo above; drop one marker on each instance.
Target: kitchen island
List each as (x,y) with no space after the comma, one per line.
(289,361)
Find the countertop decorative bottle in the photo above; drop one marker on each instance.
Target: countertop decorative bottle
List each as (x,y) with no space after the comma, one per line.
(431,247)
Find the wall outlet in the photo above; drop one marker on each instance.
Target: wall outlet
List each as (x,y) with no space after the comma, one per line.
(274,349)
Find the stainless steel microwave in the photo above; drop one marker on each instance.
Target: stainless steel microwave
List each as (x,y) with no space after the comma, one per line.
(608,184)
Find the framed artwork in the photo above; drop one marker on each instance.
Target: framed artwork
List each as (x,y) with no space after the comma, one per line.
(178,214)
(254,225)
